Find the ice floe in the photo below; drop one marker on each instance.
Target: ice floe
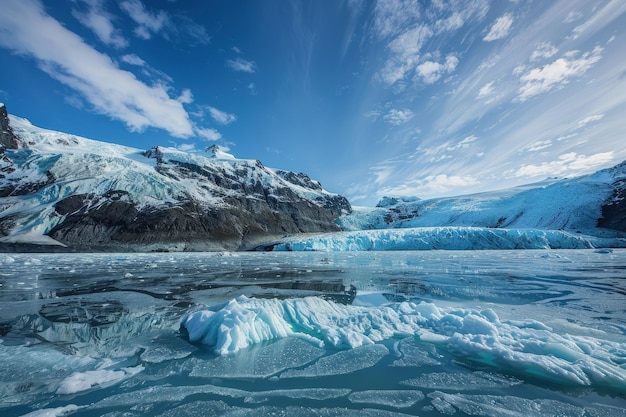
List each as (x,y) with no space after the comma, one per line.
(526,348)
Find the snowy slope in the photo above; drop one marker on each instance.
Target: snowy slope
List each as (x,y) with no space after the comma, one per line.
(76,190)
(567,204)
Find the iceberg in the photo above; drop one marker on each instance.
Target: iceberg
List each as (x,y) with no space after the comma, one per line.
(443,238)
(524,348)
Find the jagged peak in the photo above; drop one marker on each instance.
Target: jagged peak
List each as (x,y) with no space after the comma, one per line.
(216,151)
(8,138)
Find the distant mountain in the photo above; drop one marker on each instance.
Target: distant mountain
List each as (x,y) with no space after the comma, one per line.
(61,189)
(594,204)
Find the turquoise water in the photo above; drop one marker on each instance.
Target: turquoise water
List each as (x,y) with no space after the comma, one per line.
(528,332)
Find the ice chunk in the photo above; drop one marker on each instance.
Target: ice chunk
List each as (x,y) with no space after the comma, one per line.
(496,406)
(519,347)
(82,381)
(415,353)
(343,362)
(258,361)
(167,349)
(54,412)
(389,398)
(461,382)
(318,394)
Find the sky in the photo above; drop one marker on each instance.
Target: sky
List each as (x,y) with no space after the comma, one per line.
(372,98)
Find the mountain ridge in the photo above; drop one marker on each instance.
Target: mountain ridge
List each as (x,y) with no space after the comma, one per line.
(64,190)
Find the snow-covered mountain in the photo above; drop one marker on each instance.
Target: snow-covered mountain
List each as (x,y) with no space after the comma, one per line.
(593,204)
(57,188)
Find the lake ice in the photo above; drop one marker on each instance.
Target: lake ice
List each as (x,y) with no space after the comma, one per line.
(433,333)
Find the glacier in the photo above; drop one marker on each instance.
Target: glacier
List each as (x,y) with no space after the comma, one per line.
(443,238)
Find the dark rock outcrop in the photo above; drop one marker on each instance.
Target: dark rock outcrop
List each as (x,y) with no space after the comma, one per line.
(8,139)
(614,211)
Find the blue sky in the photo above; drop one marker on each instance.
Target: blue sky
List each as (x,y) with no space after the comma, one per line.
(397,98)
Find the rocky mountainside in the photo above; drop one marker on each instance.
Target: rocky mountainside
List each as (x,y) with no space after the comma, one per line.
(593,204)
(60,189)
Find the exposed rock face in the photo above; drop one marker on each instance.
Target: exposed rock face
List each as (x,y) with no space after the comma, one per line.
(614,211)
(8,139)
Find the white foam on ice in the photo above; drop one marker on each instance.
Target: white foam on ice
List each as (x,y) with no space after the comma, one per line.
(522,347)
(82,381)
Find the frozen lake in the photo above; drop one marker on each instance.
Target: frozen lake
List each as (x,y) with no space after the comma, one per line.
(429,333)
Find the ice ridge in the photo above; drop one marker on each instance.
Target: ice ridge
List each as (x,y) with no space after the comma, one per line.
(527,348)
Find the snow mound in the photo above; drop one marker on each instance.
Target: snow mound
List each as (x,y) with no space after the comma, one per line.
(522,347)
(443,238)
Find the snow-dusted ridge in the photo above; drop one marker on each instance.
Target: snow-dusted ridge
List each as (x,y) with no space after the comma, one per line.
(57,188)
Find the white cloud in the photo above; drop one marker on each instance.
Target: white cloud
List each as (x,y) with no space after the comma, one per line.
(392,16)
(398,117)
(589,119)
(430,71)
(221,117)
(133,59)
(430,186)
(569,164)
(209,134)
(539,145)
(544,50)
(186,97)
(100,22)
(252,89)
(500,28)
(558,73)
(240,64)
(486,90)
(405,53)
(464,144)
(28,30)
(148,23)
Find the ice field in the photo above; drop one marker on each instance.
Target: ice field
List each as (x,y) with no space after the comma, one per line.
(427,333)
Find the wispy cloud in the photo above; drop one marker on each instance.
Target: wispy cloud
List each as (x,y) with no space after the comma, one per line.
(486,90)
(148,22)
(91,14)
(209,134)
(391,17)
(398,117)
(558,73)
(429,186)
(242,65)
(133,59)
(500,28)
(28,30)
(567,164)
(544,50)
(221,117)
